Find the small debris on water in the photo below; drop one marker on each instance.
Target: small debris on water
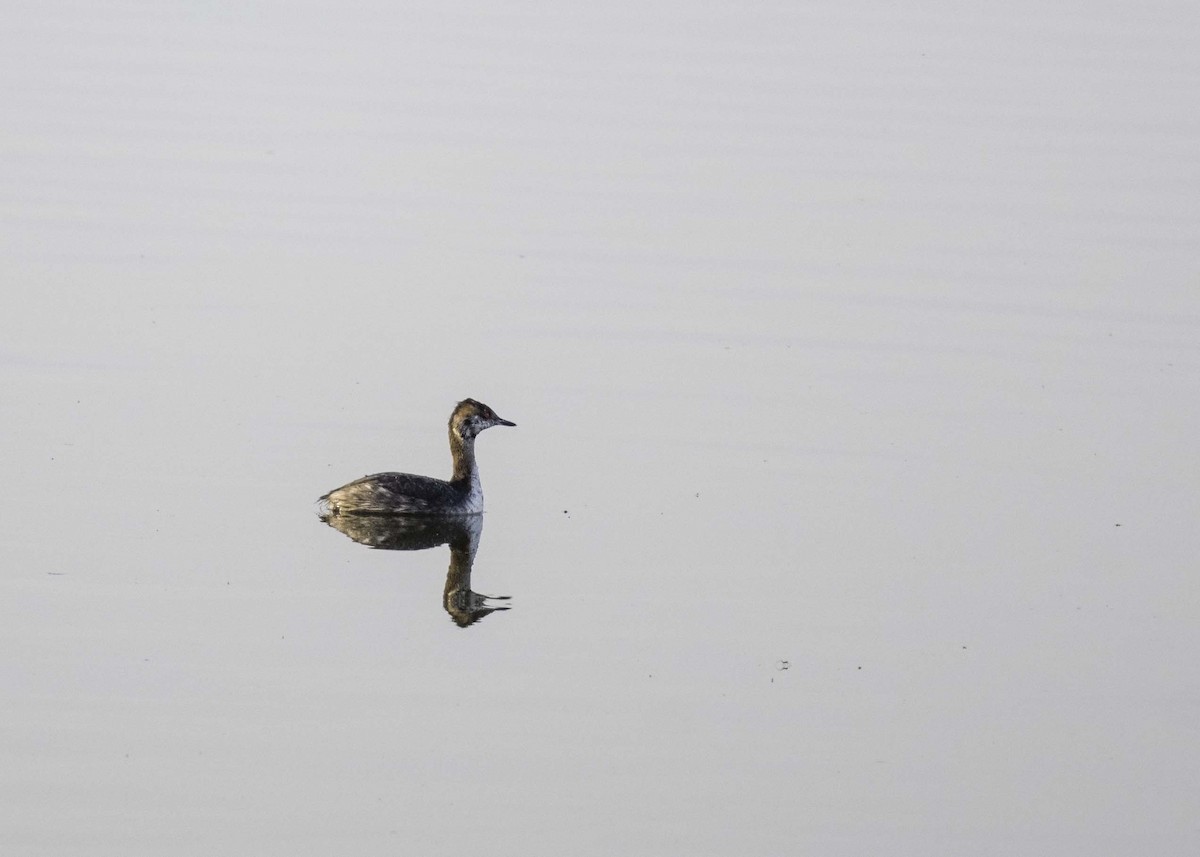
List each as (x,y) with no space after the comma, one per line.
(783,665)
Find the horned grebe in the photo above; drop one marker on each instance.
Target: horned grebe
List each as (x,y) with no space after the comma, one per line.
(406,494)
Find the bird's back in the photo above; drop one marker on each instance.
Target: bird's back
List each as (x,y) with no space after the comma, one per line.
(397,493)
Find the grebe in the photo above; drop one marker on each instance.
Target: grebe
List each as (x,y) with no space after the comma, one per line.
(406,494)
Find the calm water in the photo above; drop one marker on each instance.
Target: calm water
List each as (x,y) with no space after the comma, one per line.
(852,508)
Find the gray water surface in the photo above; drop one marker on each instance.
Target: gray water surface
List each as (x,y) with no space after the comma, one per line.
(852,507)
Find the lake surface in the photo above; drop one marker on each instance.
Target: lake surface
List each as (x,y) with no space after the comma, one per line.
(852,506)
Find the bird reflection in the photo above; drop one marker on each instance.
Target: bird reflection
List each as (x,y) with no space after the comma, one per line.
(407,533)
